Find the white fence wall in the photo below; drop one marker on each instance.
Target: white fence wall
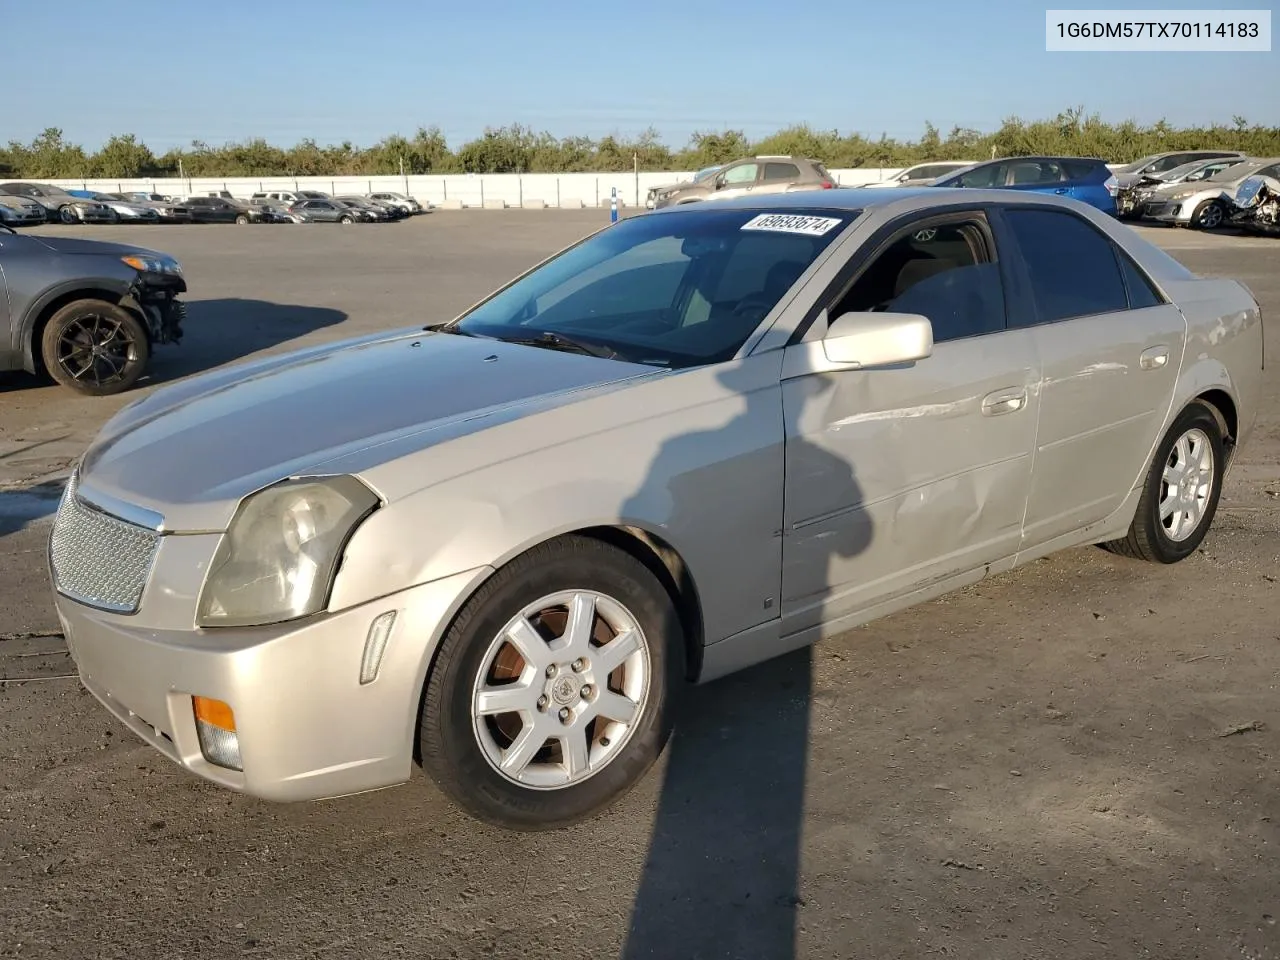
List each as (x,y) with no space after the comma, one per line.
(452,190)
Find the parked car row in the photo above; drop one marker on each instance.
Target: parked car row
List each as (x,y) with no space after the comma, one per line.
(1203,195)
(27,204)
(1194,188)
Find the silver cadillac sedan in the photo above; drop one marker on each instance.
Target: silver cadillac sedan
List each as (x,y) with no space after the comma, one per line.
(502,546)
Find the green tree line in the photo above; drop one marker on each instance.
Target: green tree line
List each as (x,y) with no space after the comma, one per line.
(520,149)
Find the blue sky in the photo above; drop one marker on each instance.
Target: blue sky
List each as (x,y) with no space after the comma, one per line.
(341,69)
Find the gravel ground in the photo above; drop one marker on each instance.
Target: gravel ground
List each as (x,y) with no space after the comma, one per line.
(1078,759)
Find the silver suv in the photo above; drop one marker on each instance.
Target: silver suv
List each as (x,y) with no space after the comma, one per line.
(751,176)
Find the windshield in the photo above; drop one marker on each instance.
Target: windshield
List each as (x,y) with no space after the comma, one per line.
(1139,164)
(1197,170)
(678,289)
(1236,171)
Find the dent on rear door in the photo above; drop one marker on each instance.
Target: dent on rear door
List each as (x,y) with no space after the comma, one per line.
(1103,403)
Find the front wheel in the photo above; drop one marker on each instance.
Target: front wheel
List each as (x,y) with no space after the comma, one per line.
(67,214)
(1180,496)
(346,220)
(550,695)
(95,348)
(1209,215)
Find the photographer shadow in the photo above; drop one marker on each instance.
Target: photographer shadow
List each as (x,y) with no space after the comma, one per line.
(722,872)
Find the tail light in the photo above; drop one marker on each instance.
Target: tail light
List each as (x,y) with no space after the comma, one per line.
(1112,185)
(828,184)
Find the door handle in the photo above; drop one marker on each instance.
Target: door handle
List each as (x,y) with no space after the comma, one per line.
(1062,190)
(1153,358)
(1004,401)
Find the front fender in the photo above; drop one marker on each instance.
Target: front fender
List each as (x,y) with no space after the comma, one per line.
(462,532)
(118,287)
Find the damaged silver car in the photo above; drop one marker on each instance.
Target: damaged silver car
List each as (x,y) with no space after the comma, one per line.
(1255,208)
(503,546)
(1133,194)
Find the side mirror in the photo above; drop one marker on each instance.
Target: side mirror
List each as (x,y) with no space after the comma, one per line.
(861,340)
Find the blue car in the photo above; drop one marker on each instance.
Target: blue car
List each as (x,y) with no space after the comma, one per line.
(1082,178)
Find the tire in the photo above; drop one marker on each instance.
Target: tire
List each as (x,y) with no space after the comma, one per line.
(67,214)
(83,321)
(1209,215)
(242,219)
(346,219)
(462,751)
(1149,538)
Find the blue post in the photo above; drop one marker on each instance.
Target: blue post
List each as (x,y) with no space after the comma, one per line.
(613,206)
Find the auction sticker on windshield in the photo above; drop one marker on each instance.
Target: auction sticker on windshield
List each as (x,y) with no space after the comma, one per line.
(792,223)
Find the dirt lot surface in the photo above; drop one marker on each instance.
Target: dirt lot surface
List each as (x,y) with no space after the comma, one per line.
(1078,759)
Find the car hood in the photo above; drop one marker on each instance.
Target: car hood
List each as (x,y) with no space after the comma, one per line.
(75,246)
(681,185)
(191,451)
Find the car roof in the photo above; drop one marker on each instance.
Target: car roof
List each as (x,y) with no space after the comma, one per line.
(848,199)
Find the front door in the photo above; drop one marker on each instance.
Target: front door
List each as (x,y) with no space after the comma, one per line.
(738,180)
(897,477)
(1111,349)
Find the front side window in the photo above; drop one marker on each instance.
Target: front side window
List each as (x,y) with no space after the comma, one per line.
(1072,267)
(678,290)
(941,272)
(991,175)
(742,173)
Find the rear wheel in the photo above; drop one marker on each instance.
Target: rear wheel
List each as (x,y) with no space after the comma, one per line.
(1181,493)
(95,348)
(241,218)
(345,219)
(549,698)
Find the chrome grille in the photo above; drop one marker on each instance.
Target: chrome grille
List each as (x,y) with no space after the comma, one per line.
(98,559)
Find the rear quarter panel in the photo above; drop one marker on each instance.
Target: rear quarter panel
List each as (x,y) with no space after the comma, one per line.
(1224,346)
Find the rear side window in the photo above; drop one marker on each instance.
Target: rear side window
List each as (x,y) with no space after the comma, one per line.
(781,171)
(1073,268)
(1034,171)
(1080,169)
(1141,292)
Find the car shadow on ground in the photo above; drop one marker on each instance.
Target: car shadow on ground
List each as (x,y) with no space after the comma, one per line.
(21,507)
(216,332)
(722,872)
(222,331)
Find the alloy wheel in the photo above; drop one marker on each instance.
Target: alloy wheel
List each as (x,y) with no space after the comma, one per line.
(1186,484)
(561,689)
(96,349)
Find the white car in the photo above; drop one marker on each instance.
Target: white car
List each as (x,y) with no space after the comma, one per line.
(923,174)
(407,204)
(127,209)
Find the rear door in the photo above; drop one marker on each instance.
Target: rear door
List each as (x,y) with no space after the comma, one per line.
(1039,176)
(777,176)
(1110,348)
(6,331)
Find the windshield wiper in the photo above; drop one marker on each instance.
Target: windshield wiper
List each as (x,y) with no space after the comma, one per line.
(558,341)
(444,327)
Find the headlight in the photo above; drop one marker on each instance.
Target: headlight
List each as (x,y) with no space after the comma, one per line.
(278,557)
(153,263)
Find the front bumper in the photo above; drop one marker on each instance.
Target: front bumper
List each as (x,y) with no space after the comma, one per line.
(308,729)
(1167,211)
